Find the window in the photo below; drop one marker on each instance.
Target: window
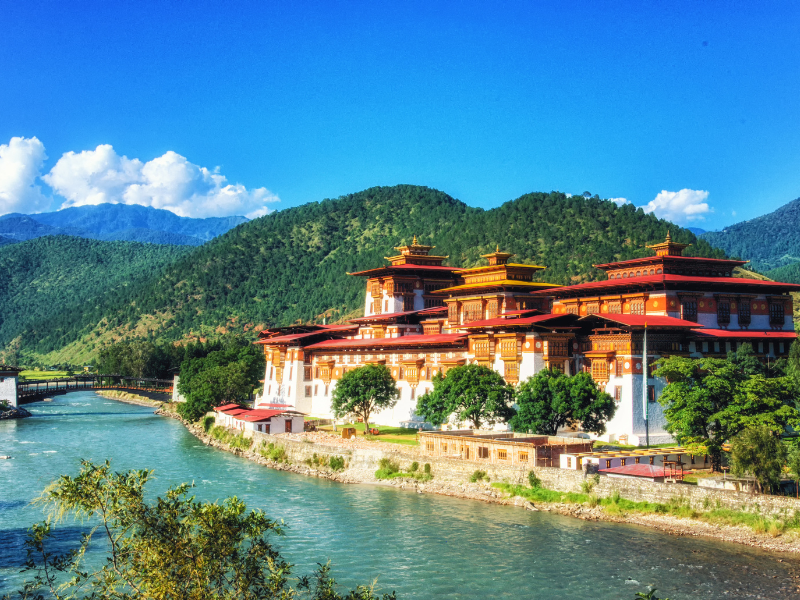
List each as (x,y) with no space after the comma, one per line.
(744,313)
(429,446)
(326,390)
(316,390)
(523,457)
(308,391)
(652,459)
(306,373)
(619,370)
(622,462)
(638,458)
(617,394)
(452,312)
(608,463)
(615,308)
(723,312)
(511,370)
(569,462)
(491,309)
(287,427)
(259,427)
(376,306)
(592,309)
(413,393)
(473,311)
(637,308)
(776,314)
(289,392)
(483,452)
(408,303)
(572,310)
(651,393)
(271,369)
(689,310)
(600,370)
(502,455)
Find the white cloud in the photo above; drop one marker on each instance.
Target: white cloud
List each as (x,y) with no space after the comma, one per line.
(170,182)
(21,163)
(619,201)
(685,206)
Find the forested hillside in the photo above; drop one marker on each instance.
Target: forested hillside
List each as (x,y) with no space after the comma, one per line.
(292,265)
(54,278)
(769,242)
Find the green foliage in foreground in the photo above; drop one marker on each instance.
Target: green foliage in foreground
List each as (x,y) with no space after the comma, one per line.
(390,469)
(364,390)
(227,436)
(678,507)
(153,548)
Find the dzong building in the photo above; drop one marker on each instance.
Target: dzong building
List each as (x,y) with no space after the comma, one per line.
(422,317)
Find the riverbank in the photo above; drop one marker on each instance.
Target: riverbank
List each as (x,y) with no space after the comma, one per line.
(11,412)
(128,398)
(309,454)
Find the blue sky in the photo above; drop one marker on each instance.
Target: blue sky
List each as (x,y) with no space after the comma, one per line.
(295,102)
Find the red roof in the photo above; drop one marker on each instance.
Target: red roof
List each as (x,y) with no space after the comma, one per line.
(226,407)
(282,339)
(636,471)
(259,415)
(442,339)
(642,320)
(745,334)
(500,322)
(634,261)
(422,312)
(567,290)
(232,412)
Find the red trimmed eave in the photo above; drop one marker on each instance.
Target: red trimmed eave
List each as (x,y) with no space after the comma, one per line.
(499,322)
(385,268)
(235,412)
(642,320)
(688,259)
(226,407)
(607,285)
(253,416)
(384,316)
(286,339)
(442,339)
(636,471)
(744,334)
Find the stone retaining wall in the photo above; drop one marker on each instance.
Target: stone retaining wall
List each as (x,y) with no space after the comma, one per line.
(365,461)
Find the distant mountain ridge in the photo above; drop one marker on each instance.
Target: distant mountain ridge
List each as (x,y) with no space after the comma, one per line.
(117,222)
(769,242)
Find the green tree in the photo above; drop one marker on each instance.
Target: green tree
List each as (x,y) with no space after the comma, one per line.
(793,463)
(364,390)
(708,401)
(551,400)
(759,452)
(214,387)
(793,365)
(173,547)
(472,392)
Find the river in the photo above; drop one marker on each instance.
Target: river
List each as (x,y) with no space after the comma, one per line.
(422,546)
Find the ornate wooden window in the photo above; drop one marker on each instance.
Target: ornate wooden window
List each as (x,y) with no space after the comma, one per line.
(502,454)
(776,316)
(743,308)
(572,309)
(723,312)
(615,308)
(433,302)
(376,306)
(491,309)
(592,309)
(651,393)
(308,391)
(689,310)
(618,367)
(637,307)
(600,370)
(511,371)
(473,311)
(523,457)
(557,348)
(508,348)
(617,394)
(452,312)
(481,348)
(307,373)
(408,303)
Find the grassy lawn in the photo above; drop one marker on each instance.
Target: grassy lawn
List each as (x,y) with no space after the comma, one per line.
(393,435)
(33,375)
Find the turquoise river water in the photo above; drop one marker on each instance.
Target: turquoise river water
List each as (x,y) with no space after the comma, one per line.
(422,546)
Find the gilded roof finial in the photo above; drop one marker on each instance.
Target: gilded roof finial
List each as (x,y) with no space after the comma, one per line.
(414,243)
(497,249)
(669,237)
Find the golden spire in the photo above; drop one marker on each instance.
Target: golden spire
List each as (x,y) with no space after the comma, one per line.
(669,237)
(497,249)
(414,243)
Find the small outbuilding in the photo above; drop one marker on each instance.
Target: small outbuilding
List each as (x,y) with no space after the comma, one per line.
(267,418)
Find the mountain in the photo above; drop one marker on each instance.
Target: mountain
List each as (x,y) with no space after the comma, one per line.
(696,230)
(118,222)
(768,242)
(292,265)
(59,276)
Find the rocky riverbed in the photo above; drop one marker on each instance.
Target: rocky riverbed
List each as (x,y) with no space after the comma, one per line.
(11,412)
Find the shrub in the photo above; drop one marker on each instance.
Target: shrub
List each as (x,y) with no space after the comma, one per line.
(208,423)
(427,468)
(387,468)
(413,468)
(587,485)
(318,461)
(534,481)
(478,476)
(336,463)
(273,452)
